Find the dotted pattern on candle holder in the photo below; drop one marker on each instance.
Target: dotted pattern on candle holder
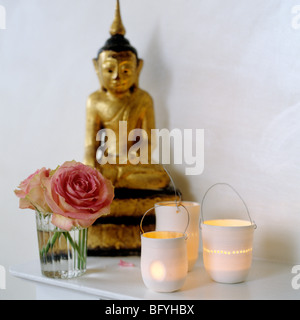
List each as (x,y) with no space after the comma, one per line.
(227,252)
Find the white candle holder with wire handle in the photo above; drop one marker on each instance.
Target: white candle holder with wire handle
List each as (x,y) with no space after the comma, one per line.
(164,262)
(227,245)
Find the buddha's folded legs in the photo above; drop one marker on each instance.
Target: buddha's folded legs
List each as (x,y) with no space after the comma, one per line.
(140,176)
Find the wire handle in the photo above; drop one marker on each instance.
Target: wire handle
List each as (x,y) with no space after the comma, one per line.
(177,203)
(165,204)
(177,195)
(228,185)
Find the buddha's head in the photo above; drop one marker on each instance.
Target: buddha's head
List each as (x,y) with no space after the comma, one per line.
(117,64)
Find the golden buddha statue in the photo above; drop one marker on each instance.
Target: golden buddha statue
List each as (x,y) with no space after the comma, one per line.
(120,100)
(113,112)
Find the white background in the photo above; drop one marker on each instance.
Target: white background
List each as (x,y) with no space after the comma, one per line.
(229,67)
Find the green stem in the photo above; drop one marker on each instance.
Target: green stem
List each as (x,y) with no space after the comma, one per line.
(80,249)
(50,243)
(75,246)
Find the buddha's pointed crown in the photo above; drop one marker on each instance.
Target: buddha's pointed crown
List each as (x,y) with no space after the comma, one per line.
(117,42)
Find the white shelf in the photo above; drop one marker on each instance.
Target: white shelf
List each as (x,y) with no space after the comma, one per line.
(105,279)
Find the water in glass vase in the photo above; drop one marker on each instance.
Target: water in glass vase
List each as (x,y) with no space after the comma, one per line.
(62,253)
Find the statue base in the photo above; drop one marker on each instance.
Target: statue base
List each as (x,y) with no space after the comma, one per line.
(119,234)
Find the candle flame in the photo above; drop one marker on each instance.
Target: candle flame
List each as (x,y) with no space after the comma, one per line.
(158,270)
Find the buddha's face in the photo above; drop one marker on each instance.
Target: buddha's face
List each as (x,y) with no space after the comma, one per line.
(118,71)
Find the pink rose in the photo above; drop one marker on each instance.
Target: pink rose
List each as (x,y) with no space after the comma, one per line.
(31,192)
(77,195)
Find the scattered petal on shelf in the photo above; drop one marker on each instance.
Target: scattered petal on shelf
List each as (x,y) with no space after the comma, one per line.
(123,263)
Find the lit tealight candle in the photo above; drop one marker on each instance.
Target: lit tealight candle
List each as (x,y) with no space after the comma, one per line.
(158,270)
(227,249)
(164,262)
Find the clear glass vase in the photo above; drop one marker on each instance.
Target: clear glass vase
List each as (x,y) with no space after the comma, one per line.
(62,253)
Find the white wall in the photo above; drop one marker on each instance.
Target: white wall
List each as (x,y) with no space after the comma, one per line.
(229,67)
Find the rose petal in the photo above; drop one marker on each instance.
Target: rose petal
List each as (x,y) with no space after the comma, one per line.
(62,222)
(123,263)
